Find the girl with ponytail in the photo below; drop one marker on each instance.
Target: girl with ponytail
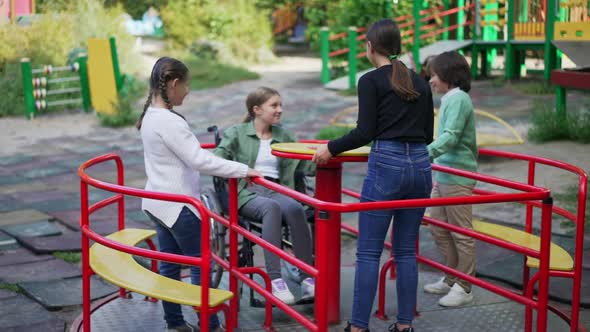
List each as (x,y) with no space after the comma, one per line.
(173,162)
(395,114)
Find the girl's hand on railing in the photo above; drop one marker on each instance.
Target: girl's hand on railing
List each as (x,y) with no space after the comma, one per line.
(252,173)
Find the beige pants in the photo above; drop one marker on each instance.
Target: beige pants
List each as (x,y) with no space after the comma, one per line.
(458,250)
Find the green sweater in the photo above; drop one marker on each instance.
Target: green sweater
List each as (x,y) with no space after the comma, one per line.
(455,145)
(241,144)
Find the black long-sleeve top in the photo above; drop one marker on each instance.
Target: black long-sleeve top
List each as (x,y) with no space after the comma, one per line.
(384,115)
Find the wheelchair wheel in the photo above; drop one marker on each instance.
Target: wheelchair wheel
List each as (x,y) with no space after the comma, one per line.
(216,235)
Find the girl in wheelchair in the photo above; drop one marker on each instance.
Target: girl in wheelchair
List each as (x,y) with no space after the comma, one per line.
(249,143)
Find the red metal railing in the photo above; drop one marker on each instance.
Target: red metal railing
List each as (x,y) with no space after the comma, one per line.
(121,190)
(528,195)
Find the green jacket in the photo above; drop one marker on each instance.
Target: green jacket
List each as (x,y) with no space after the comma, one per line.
(241,144)
(455,145)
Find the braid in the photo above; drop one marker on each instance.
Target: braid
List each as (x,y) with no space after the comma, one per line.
(163,92)
(148,102)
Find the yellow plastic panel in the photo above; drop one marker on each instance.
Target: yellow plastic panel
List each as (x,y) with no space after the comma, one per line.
(575,31)
(121,269)
(560,259)
(309,148)
(101,76)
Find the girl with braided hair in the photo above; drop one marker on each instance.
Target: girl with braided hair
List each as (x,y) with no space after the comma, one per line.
(173,162)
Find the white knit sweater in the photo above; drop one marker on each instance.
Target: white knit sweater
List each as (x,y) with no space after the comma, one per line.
(173,162)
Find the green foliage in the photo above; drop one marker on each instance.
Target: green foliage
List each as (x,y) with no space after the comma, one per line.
(10,287)
(535,88)
(569,201)
(243,29)
(332,132)
(548,125)
(13,100)
(68,256)
(127,106)
(207,74)
(55,37)
(348,92)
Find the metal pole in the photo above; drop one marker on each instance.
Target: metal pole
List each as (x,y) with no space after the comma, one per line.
(327,246)
(25,65)
(543,296)
(115,60)
(324,50)
(461,20)
(389,9)
(84,86)
(509,56)
(560,101)
(416,48)
(550,52)
(234,302)
(352,51)
(445,34)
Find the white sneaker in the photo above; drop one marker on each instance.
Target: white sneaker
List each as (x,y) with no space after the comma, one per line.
(439,287)
(308,286)
(457,296)
(281,291)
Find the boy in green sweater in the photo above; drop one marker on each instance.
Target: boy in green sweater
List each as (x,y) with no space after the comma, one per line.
(455,146)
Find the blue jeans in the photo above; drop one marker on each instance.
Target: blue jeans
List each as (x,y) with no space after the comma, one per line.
(396,171)
(184,238)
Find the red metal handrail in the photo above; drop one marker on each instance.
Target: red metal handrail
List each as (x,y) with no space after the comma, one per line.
(87,233)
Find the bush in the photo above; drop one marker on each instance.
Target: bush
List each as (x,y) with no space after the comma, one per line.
(243,28)
(332,132)
(55,37)
(548,125)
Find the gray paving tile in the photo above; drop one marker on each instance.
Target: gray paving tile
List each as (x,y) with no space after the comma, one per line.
(57,205)
(39,228)
(12,179)
(54,325)
(71,176)
(16,217)
(43,172)
(40,196)
(69,241)
(15,159)
(52,269)
(65,292)
(20,312)
(21,256)
(6,240)
(6,294)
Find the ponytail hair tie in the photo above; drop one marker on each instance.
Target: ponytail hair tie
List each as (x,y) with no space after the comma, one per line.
(393,57)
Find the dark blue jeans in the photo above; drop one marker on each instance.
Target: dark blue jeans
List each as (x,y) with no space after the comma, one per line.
(396,171)
(184,238)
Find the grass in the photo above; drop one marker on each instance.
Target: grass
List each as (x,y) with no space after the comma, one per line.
(348,92)
(68,256)
(547,125)
(569,201)
(535,88)
(206,73)
(332,132)
(10,287)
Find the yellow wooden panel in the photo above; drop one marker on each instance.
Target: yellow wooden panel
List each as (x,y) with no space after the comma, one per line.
(309,148)
(575,31)
(120,269)
(101,76)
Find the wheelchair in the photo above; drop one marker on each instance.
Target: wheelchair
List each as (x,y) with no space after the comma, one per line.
(216,199)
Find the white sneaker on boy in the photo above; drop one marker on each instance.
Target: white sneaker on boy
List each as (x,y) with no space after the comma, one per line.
(439,287)
(281,290)
(457,296)
(308,286)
